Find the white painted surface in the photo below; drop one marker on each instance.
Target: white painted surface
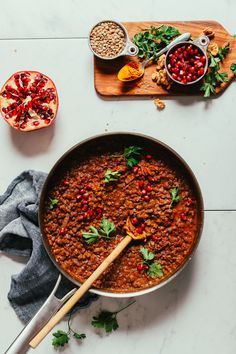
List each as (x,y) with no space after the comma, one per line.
(195,314)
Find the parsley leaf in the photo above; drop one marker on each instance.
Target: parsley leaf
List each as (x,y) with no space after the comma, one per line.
(79,336)
(112,176)
(234,35)
(106,320)
(91,237)
(214,62)
(147,256)
(132,155)
(53,203)
(154,39)
(233,68)
(223,51)
(107,227)
(211,81)
(174,192)
(155,270)
(60,338)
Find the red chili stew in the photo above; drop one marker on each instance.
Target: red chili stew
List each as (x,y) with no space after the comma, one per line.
(103,188)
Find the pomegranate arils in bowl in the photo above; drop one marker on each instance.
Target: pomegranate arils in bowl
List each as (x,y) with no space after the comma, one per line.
(186,63)
(29,101)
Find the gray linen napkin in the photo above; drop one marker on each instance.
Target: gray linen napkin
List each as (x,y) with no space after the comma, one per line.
(20,236)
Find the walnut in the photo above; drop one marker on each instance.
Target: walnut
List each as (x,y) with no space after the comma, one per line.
(213,48)
(159,103)
(208,31)
(154,76)
(160,76)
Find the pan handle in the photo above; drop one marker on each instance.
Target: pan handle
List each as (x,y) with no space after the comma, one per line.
(49,308)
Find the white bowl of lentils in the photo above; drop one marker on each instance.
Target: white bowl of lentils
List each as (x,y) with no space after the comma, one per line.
(109,40)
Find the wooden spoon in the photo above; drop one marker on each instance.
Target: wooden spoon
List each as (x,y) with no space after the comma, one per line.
(130,230)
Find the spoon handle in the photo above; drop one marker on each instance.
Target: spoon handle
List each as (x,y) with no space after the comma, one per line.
(182,38)
(80,292)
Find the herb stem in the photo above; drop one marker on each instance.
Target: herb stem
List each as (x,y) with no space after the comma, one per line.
(123,308)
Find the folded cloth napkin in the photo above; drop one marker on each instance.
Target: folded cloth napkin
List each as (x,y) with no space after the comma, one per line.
(20,236)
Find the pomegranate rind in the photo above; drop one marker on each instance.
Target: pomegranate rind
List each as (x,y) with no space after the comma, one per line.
(30,125)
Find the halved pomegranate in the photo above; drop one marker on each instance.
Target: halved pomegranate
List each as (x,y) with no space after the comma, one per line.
(29,101)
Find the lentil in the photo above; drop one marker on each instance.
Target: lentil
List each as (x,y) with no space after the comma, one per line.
(107,39)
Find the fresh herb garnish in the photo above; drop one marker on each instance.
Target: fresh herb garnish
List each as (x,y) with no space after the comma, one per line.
(111,176)
(91,237)
(107,320)
(233,68)
(174,192)
(60,338)
(153,269)
(106,229)
(214,78)
(234,35)
(132,155)
(154,39)
(53,203)
(223,51)
(147,255)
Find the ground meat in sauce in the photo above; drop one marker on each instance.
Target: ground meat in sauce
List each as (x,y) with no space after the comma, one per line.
(174,226)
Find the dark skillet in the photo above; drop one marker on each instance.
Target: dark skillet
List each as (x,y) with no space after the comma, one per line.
(109,143)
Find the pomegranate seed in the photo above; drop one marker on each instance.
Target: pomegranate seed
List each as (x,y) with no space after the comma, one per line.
(143,226)
(147,198)
(189,202)
(65,182)
(84,201)
(98,216)
(88,187)
(47,121)
(139,230)
(135,169)
(135,221)
(141,183)
(143,191)
(200,72)
(90,212)
(85,208)
(154,238)
(79,197)
(62,231)
(183,216)
(151,179)
(139,267)
(99,210)
(148,157)
(85,215)
(149,188)
(36,123)
(145,266)
(82,191)
(23,125)
(86,195)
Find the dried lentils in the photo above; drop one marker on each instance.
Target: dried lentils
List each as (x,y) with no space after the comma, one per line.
(107,39)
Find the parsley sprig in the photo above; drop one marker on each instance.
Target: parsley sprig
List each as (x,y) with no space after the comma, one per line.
(107,320)
(175,197)
(214,78)
(53,203)
(154,39)
(60,338)
(106,229)
(112,176)
(233,68)
(154,269)
(132,155)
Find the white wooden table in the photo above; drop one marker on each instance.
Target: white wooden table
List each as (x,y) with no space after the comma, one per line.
(196,313)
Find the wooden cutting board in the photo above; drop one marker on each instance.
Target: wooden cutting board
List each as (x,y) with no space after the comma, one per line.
(105,72)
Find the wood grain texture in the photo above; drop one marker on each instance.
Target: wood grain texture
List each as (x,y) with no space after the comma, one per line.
(105,72)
